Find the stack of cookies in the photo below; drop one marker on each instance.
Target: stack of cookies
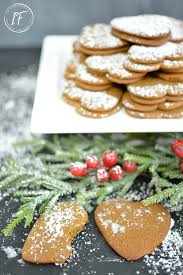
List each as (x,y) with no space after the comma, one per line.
(135,62)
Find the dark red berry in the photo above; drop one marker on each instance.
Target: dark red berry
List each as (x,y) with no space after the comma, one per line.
(129,167)
(92,162)
(78,169)
(181,166)
(110,158)
(177,148)
(116,172)
(102,175)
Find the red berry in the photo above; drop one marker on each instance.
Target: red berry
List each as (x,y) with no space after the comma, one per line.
(181,166)
(177,148)
(92,162)
(78,169)
(129,167)
(102,175)
(110,159)
(116,172)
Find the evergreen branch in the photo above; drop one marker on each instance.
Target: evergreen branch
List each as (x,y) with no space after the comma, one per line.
(40,176)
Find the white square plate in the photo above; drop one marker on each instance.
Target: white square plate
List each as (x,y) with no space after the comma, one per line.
(52,115)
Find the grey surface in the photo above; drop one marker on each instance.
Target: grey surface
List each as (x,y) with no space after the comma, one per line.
(68,16)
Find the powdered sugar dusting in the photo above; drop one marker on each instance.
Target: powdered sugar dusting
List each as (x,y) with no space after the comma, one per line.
(99,100)
(99,36)
(147,25)
(83,75)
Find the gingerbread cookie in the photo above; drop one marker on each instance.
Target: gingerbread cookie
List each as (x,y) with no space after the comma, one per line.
(149,30)
(174,77)
(94,114)
(97,39)
(153,88)
(113,68)
(101,64)
(72,94)
(172,65)
(170,105)
(88,81)
(155,55)
(149,115)
(50,238)
(72,65)
(176,113)
(118,74)
(174,98)
(142,68)
(146,55)
(144,101)
(149,88)
(128,103)
(101,101)
(132,229)
(176,27)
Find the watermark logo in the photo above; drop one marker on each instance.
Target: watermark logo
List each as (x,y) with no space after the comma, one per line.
(18,18)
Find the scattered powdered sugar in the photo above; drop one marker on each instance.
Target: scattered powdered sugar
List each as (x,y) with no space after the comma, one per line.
(148,26)
(168,257)
(10,251)
(99,36)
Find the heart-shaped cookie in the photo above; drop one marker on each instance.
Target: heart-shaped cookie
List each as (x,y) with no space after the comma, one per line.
(132,229)
(50,238)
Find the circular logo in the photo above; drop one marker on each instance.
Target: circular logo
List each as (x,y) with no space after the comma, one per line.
(18,18)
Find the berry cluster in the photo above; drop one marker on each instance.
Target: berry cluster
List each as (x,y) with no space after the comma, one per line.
(177,148)
(106,169)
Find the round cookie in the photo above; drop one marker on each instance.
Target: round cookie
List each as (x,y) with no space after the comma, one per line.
(102,52)
(151,55)
(113,66)
(72,65)
(84,112)
(176,27)
(149,115)
(175,88)
(72,94)
(132,229)
(173,51)
(100,64)
(146,55)
(174,98)
(122,80)
(141,100)
(174,77)
(139,40)
(168,105)
(172,65)
(142,68)
(145,26)
(88,81)
(49,241)
(117,73)
(101,101)
(149,88)
(176,113)
(97,39)
(128,103)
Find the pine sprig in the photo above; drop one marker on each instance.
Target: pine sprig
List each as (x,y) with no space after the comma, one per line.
(39,176)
